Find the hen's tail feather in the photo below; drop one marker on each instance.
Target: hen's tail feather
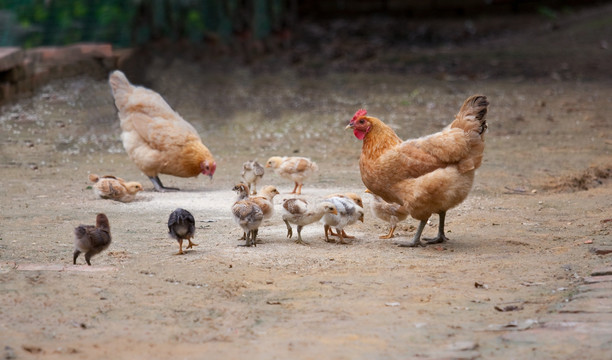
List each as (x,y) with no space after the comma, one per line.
(121,88)
(472,115)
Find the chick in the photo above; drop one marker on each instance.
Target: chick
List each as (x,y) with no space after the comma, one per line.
(181,226)
(351,196)
(296,211)
(114,188)
(296,169)
(91,239)
(348,213)
(247,214)
(389,212)
(252,172)
(265,201)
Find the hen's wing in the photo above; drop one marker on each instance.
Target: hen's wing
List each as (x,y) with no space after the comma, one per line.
(146,112)
(161,133)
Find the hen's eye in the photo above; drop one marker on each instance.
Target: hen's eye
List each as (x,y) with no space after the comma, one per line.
(361,121)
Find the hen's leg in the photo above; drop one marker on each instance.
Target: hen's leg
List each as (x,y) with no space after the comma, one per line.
(299,239)
(159,186)
(289,230)
(416,240)
(75,256)
(440,238)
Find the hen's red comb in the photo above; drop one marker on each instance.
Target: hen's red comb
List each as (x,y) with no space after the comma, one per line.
(359,113)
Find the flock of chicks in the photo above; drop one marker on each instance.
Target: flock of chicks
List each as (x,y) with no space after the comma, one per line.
(249,210)
(416,177)
(335,212)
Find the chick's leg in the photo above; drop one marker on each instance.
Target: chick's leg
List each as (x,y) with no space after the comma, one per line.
(190,244)
(294,189)
(347,236)
(299,190)
(327,229)
(341,234)
(299,239)
(88,256)
(180,252)
(159,186)
(75,256)
(440,238)
(416,240)
(289,230)
(389,235)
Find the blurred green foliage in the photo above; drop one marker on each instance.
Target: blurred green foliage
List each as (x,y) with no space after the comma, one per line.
(124,23)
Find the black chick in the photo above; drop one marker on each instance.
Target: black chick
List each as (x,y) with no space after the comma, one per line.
(181,226)
(91,239)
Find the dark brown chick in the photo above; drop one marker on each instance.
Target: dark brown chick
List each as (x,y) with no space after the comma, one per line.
(91,239)
(181,226)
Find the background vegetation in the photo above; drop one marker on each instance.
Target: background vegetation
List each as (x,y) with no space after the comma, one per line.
(31,23)
(126,23)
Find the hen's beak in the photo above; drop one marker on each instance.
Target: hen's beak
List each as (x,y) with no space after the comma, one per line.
(349,126)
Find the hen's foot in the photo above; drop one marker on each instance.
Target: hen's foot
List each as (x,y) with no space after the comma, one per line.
(159,186)
(191,245)
(410,244)
(437,240)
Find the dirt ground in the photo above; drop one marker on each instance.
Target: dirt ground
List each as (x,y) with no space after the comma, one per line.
(521,239)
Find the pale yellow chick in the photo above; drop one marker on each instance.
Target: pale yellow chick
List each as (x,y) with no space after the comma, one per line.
(114,188)
(389,212)
(296,169)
